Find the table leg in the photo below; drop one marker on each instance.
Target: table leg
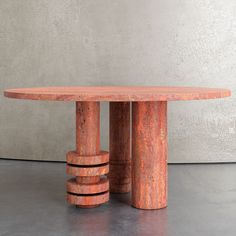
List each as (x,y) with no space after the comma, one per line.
(90,188)
(120,160)
(149,155)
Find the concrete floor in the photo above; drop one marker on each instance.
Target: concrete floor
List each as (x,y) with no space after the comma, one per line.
(202,201)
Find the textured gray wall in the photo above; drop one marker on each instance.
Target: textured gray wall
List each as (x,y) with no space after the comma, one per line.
(125,42)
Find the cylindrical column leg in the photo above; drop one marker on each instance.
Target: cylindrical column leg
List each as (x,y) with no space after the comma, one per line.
(120,173)
(149,155)
(87,163)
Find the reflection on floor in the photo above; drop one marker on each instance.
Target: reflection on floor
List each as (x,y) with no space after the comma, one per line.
(202,201)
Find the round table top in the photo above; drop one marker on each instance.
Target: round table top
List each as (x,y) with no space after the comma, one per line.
(116,93)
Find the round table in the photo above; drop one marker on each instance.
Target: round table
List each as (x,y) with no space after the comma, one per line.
(90,165)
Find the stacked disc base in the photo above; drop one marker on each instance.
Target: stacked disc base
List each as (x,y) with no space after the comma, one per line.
(90,187)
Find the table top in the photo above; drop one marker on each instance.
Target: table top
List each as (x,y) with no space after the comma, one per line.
(116,93)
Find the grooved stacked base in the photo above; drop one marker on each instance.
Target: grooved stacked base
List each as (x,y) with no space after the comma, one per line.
(87,163)
(90,187)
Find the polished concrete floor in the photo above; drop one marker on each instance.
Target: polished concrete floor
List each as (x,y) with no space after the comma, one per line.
(202,201)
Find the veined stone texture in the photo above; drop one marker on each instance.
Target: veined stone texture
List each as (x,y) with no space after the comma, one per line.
(83,43)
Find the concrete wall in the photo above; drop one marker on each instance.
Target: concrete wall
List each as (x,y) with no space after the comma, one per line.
(125,42)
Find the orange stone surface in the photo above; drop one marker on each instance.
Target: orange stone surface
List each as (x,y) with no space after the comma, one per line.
(88,201)
(120,156)
(73,158)
(87,172)
(149,155)
(89,165)
(107,93)
(92,188)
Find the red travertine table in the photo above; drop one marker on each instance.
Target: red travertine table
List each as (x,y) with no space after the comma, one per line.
(90,165)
